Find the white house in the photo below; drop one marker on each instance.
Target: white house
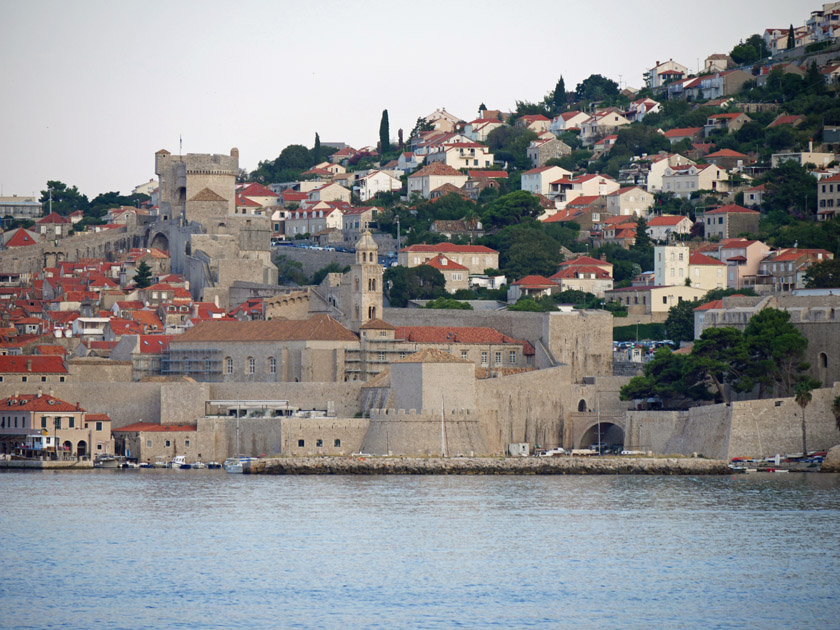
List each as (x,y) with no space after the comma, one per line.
(375,182)
(538,180)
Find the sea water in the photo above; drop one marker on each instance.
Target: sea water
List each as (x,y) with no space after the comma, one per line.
(203,549)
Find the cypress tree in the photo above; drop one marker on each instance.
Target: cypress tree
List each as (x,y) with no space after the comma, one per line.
(384,133)
(316,150)
(558,99)
(791,41)
(142,275)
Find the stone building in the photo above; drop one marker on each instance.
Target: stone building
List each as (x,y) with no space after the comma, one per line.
(262,351)
(197,187)
(541,151)
(729,221)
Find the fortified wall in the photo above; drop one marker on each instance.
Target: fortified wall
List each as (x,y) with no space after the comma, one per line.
(756,428)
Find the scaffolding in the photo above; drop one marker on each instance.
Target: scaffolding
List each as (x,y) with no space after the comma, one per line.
(202,364)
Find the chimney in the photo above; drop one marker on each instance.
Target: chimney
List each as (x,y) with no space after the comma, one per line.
(604,257)
(810,145)
(29,365)
(40,393)
(51,393)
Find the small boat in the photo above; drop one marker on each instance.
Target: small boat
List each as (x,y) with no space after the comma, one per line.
(160,462)
(234,465)
(105,461)
(214,465)
(144,465)
(180,462)
(199,465)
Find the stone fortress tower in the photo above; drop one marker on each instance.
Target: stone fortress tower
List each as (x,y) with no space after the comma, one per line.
(208,243)
(196,186)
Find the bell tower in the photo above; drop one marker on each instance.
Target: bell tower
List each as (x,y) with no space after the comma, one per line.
(366,283)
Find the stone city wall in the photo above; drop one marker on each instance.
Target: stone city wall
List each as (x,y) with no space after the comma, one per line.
(520,325)
(529,407)
(756,428)
(427,433)
(306,437)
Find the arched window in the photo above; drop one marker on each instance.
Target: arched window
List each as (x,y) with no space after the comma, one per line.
(823,360)
(582,405)
(228,365)
(252,365)
(272,365)
(371,312)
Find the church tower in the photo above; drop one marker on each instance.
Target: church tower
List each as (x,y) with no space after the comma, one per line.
(365,283)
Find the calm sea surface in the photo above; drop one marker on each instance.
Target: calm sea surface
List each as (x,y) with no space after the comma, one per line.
(203,549)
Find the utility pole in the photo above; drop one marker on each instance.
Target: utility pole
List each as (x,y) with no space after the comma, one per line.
(398,233)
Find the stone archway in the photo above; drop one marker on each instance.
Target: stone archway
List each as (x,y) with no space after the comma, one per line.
(160,241)
(81,449)
(582,405)
(606,433)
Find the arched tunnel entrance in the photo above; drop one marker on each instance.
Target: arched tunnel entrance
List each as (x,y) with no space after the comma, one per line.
(610,437)
(160,242)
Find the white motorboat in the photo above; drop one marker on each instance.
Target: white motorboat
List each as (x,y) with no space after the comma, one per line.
(234,465)
(180,462)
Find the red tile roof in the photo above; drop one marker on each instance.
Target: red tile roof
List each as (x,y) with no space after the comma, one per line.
(665,219)
(535,281)
(458,334)
(32,364)
(436,168)
(727,153)
(153,344)
(256,190)
(696,258)
(33,402)
(683,132)
(54,217)
(442,262)
(490,174)
(585,260)
(21,238)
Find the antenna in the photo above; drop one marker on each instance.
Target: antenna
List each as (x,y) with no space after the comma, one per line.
(180,145)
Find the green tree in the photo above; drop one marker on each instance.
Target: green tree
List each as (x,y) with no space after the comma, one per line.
(803,396)
(142,275)
(776,351)
(596,88)
(515,207)
(65,200)
(316,150)
(511,145)
(643,242)
(482,108)
(716,359)
(558,97)
(414,283)
(791,39)
(824,275)
(788,188)
(750,51)
(448,303)
(384,134)
(332,267)
(290,272)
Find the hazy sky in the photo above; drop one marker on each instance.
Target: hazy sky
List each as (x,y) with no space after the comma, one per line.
(91,89)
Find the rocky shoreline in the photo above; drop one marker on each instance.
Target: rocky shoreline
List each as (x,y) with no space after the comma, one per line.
(486,466)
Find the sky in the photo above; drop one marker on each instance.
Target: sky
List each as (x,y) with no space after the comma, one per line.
(91,89)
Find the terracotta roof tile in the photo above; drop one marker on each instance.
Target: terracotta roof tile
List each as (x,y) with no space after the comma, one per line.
(316,328)
(33,402)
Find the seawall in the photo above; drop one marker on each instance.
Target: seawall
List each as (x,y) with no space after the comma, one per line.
(485,466)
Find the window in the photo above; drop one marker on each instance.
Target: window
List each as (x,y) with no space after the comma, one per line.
(498,358)
(23,379)
(168,443)
(43,422)
(252,365)
(272,365)
(319,443)
(463,354)
(337,443)
(483,358)
(57,422)
(512,356)
(228,365)
(301,443)
(381,356)
(71,424)
(402,355)
(186,442)
(43,379)
(98,426)
(664,299)
(148,443)
(60,379)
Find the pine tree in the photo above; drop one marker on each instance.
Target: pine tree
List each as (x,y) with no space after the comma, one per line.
(384,133)
(791,40)
(558,99)
(482,108)
(142,275)
(316,150)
